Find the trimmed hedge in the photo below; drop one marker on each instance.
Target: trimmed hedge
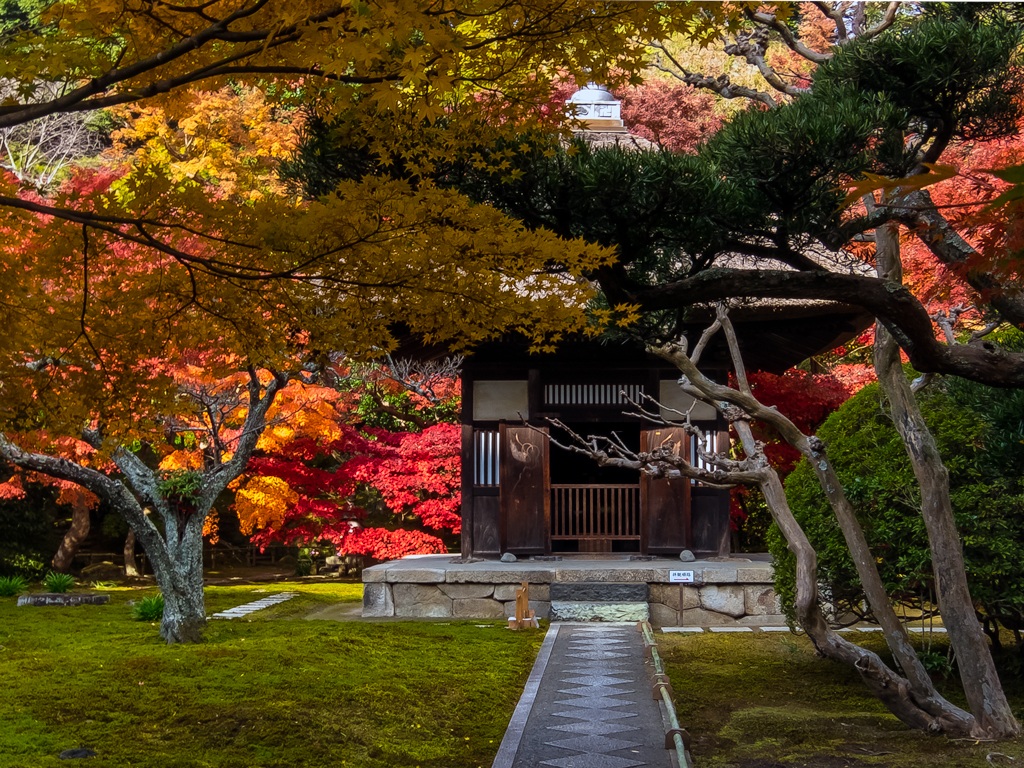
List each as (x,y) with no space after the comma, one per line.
(980,433)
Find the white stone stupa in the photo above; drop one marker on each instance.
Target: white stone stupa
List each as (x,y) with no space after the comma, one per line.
(600,116)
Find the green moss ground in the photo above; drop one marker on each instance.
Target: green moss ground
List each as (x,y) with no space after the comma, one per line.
(275,690)
(267,690)
(766,701)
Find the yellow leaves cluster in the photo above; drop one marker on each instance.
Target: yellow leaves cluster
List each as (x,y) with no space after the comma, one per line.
(873,182)
(424,61)
(271,279)
(180,460)
(262,502)
(228,141)
(386,253)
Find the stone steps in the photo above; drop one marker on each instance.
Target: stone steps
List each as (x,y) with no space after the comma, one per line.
(599,601)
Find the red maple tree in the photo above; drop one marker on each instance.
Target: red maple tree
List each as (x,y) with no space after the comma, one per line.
(363,490)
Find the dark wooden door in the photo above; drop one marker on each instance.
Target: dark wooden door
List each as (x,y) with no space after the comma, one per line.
(525,494)
(665,503)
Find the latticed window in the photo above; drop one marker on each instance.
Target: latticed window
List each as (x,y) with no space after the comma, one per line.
(486,457)
(592,394)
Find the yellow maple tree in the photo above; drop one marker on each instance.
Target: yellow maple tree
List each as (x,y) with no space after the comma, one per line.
(190,253)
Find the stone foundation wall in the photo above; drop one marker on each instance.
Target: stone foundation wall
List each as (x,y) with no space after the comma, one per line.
(719,596)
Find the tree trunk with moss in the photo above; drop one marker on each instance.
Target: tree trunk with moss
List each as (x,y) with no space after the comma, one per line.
(181,503)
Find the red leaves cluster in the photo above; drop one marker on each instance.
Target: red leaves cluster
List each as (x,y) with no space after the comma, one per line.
(383,544)
(807,399)
(674,116)
(995,231)
(417,473)
(343,484)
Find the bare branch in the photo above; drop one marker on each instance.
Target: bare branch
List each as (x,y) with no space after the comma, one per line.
(751,46)
(662,462)
(838,17)
(770,20)
(424,377)
(721,85)
(886,22)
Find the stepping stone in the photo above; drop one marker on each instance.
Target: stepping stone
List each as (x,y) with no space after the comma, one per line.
(596,680)
(256,605)
(594,690)
(593,727)
(593,714)
(594,702)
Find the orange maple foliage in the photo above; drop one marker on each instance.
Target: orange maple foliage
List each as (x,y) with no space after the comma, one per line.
(322,477)
(229,141)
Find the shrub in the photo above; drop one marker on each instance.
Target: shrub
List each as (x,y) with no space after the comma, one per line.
(304,565)
(28,532)
(58,582)
(149,608)
(12,585)
(978,434)
(25,565)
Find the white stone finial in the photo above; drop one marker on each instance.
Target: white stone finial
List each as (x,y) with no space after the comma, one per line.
(597,108)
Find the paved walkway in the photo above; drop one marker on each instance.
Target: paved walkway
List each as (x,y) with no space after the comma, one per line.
(588,704)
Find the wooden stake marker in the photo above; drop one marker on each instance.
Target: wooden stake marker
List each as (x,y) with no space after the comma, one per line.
(524,618)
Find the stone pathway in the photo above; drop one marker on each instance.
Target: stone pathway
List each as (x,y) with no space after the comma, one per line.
(588,704)
(256,605)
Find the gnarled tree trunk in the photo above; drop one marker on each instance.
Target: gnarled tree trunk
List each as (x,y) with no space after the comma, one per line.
(176,552)
(981,683)
(913,698)
(181,585)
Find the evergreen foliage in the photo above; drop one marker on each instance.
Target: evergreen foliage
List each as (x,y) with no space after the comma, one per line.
(979,431)
(11,586)
(58,582)
(150,608)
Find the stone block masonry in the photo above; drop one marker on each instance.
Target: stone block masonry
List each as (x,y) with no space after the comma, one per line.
(725,592)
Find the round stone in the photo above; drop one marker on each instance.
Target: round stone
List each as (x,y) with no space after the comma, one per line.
(508,557)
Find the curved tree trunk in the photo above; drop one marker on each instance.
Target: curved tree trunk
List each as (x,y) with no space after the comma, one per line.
(913,698)
(73,539)
(981,683)
(895,691)
(921,687)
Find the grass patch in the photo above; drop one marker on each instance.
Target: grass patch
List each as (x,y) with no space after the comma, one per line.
(263,691)
(767,701)
(12,586)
